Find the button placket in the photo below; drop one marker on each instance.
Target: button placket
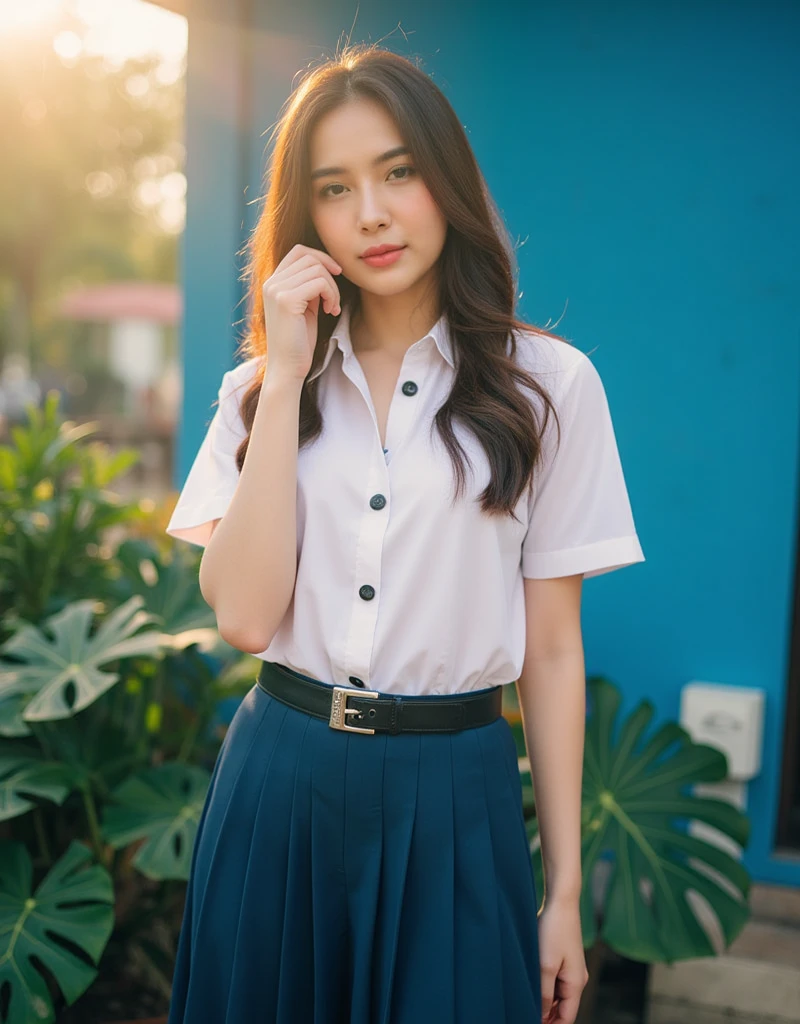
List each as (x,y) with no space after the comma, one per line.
(403,410)
(367,578)
(405,406)
(352,369)
(409,380)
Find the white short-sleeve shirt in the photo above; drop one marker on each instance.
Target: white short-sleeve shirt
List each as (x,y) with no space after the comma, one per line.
(396,590)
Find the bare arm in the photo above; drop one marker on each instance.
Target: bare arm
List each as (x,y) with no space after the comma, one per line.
(552,697)
(249,567)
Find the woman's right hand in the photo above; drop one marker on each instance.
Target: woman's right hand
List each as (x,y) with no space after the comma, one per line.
(292,294)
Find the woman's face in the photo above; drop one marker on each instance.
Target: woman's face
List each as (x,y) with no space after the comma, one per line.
(362,200)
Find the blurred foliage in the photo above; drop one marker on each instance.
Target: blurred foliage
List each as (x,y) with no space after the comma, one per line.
(56,506)
(111,674)
(81,140)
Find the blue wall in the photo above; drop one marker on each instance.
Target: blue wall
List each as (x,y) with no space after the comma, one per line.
(645,156)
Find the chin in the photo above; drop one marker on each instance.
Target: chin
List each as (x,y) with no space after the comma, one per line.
(389,291)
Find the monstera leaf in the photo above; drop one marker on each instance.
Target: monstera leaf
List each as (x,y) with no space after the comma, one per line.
(634,796)
(74,902)
(161,805)
(170,592)
(24,773)
(12,704)
(37,690)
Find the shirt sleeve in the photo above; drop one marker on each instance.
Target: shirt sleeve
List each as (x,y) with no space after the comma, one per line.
(213,476)
(580,517)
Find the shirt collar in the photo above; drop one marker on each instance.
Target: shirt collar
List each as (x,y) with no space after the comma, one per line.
(440,332)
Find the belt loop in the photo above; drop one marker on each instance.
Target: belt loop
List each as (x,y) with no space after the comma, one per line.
(394,716)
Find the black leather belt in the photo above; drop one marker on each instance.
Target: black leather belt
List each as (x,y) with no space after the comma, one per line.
(379,712)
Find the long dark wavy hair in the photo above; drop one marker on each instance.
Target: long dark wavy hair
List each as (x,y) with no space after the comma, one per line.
(477,270)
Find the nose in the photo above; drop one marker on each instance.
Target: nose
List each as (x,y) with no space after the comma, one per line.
(371,212)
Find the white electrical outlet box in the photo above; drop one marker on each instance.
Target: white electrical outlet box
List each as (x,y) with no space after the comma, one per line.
(728,717)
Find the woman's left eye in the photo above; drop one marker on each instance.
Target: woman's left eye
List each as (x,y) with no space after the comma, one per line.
(404,167)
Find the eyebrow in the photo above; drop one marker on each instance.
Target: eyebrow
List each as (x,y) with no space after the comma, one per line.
(323,172)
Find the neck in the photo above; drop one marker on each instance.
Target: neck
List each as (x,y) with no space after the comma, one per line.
(390,324)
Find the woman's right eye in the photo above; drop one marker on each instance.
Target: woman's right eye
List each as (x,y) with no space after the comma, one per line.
(324,191)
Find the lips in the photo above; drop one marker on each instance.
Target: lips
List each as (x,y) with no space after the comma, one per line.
(379,250)
(384,259)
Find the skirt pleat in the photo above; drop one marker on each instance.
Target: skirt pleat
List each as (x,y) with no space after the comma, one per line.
(338,878)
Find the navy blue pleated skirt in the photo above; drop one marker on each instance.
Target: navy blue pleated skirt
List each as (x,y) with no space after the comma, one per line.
(348,878)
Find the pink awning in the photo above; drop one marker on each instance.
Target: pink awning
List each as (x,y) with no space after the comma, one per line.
(124,300)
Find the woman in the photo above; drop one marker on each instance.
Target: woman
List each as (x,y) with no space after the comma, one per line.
(361,856)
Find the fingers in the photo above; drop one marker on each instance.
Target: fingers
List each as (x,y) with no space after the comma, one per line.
(312,272)
(567,1009)
(282,285)
(318,287)
(294,298)
(548,973)
(564,1001)
(299,252)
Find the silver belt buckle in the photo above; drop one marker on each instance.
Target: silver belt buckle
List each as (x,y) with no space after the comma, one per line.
(339,708)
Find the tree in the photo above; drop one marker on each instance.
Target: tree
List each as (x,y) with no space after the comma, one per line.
(90,149)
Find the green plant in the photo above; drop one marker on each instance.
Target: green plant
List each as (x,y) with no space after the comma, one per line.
(636,801)
(55,514)
(32,918)
(111,671)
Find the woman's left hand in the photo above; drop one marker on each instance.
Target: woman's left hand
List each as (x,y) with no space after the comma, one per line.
(562,962)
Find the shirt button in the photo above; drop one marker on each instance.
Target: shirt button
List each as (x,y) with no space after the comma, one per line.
(366,592)
(356,681)
(409,388)
(377,501)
